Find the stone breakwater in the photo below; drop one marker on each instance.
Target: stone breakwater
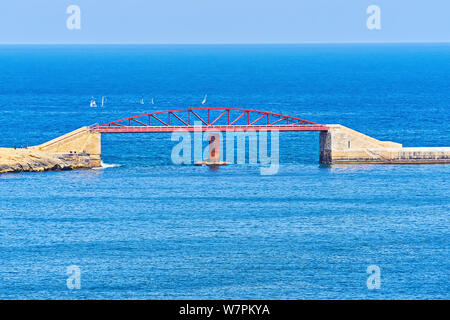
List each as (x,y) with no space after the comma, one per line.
(342,145)
(338,145)
(77,149)
(32,160)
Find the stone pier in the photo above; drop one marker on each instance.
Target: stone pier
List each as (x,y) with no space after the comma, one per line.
(78,149)
(79,142)
(343,145)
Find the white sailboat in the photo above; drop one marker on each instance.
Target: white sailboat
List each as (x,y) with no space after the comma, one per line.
(93,103)
(152,102)
(103,102)
(204,99)
(142,101)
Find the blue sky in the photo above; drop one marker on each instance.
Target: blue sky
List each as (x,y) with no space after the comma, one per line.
(223,21)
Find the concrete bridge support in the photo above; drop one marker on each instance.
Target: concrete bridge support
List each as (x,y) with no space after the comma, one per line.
(343,145)
(82,142)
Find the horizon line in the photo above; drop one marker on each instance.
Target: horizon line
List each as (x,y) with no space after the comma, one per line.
(228,43)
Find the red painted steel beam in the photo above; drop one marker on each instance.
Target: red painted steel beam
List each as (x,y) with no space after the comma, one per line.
(200,118)
(160,120)
(189,110)
(173,113)
(149,129)
(238,118)
(257,119)
(219,117)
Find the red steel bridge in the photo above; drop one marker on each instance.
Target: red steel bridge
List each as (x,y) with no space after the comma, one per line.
(211,119)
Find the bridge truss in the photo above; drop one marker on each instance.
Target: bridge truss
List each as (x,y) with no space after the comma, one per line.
(208,119)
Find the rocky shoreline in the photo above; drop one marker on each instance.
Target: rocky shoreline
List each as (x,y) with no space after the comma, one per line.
(33,160)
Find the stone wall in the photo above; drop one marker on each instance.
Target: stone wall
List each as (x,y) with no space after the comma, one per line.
(81,141)
(343,145)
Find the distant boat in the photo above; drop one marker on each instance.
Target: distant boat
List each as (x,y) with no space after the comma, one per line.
(93,103)
(204,99)
(152,102)
(142,101)
(103,102)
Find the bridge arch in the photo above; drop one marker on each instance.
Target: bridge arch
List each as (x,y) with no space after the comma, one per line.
(211,119)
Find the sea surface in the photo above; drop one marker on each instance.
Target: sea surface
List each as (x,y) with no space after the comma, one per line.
(144,228)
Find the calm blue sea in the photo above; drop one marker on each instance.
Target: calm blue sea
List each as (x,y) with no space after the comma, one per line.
(147,229)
